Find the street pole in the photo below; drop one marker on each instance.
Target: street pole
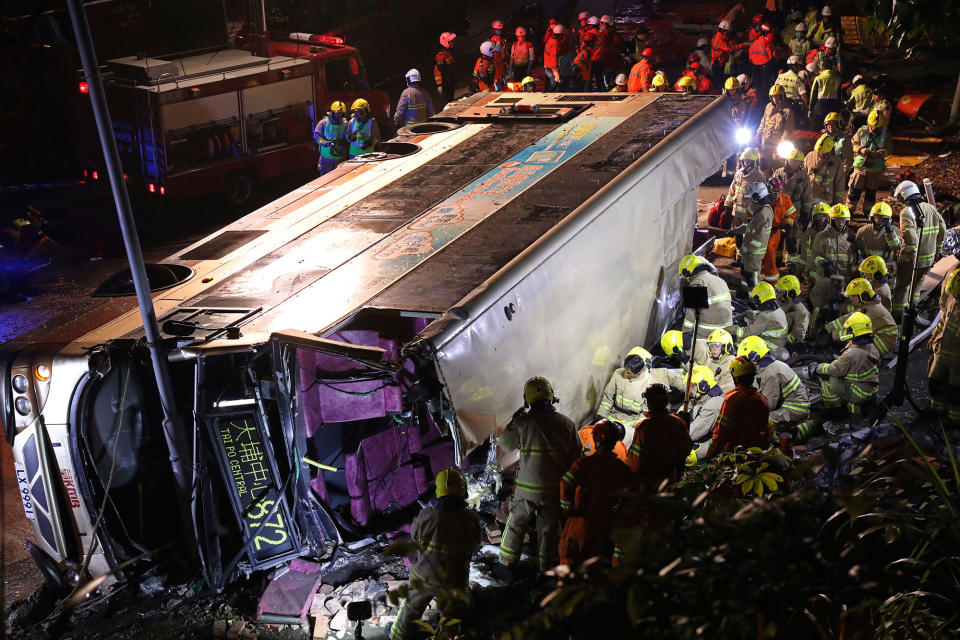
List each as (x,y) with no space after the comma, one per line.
(172,431)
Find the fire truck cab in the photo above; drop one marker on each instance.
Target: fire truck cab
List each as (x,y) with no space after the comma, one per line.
(225,120)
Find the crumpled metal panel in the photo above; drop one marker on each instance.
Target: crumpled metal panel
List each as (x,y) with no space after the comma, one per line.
(572,305)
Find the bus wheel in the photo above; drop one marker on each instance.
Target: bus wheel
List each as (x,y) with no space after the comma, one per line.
(239,187)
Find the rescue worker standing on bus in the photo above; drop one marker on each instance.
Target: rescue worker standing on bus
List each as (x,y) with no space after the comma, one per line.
(331,136)
(414,104)
(747,174)
(869,163)
(448,535)
(769,322)
(919,250)
(622,398)
(521,55)
(880,238)
(641,74)
(443,70)
(853,378)
(944,362)
(864,300)
(874,270)
(553,49)
(484,72)
(791,301)
(362,131)
(776,126)
(833,258)
(720,345)
(786,396)
(744,417)
(825,170)
(756,233)
(548,445)
(587,495)
(760,54)
(699,272)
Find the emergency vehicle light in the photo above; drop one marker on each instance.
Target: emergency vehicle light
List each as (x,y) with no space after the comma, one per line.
(310,37)
(84,87)
(152,188)
(162,190)
(95,175)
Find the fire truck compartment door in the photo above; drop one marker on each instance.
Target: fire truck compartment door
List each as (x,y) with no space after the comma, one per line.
(200,111)
(277,95)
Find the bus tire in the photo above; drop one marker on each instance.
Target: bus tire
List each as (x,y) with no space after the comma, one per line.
(239,186)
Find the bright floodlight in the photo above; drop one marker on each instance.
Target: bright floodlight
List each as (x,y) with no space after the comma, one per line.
(743,136)
(785,148)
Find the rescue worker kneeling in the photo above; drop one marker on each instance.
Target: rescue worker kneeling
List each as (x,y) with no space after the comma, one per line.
(548,445)
(707,397)
(874,270)
(668,370)
(770,322)
(944,363)
(587,496)
(853,378)
(864,300)
(588,438)
(623,396)
(448,536)
(791,301)
(744,418)
(720,344)
(786,396)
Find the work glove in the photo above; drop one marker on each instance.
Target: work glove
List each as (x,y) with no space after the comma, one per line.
(687,339)
(736,231)
(685,415)
(887,225)
(828,269)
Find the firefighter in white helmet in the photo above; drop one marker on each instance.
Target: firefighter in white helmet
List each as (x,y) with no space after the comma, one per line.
(414,104)
(756,232)
(920,248)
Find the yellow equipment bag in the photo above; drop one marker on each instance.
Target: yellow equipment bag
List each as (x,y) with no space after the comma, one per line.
(726,247)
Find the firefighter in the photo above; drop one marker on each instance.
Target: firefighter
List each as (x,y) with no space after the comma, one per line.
(443,69)
(804,262)
(744,417)
(833,258)
(659,82)
(870,149)
(784,217)
(769,321)
(786,396)
(919,251)
(641,73)
(880,238)
(668,370)
(853,377)
(794,89)
(747,174)
(699,272)
(776,125)
(833,126)
(484,71)
(824,93)
(587,495)
(722,48)
(414,104)
(620,84)
(331,136)
(791,301)
(874,271)
(622,398)
(448,535)
(362,130)
(800,44)
(499,44)
(720,345)
(944,361)
(661,442)
(707,399)
(826,171)
(796,184)
(548,445)
(739,109)
(522,54)
(528,85)
(864,300)
(756,233)
(588,437)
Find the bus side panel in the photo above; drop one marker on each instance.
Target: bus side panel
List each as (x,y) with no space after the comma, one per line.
(572,305)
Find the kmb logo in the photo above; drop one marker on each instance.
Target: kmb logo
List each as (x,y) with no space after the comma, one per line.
(71,488)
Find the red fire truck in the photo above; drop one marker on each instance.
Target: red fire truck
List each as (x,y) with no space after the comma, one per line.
(224,120)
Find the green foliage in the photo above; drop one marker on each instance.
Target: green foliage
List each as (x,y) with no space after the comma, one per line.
(875,558)
(913,22)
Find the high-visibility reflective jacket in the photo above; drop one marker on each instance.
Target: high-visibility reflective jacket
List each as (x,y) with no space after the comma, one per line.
(929,244)
(498,58)
(738,187)
(548,445)
(721,371)
(332,138)
(885,330)
(743,421)
(521,53)
(589,447)
(760,52)
(484,74)
(825,86)
(945,339)
(793,87)
(782,388)
(623,397)
(799,47)
(722,47)
(827,181)
(448,538)
(776,124)
(660,446)
(832,246)
(756,238)
(861,98)
(871,242)
(856,370)
(874,141)
(363,135)
(770,324)
(798,321)
(641,76)
(703,414)
(413,106)
(551,54)
(443,67)
(719,315)
(797,187)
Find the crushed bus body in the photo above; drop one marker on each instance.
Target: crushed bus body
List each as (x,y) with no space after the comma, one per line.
(336,348)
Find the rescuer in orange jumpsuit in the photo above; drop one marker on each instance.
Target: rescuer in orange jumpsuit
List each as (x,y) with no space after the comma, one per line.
(744,418)
(588,436)
(587,495)
(641,74)
(784,216)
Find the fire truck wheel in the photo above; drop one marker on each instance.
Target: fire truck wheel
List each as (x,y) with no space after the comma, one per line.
(239,186)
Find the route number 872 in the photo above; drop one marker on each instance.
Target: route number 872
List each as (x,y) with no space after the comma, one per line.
(276,532)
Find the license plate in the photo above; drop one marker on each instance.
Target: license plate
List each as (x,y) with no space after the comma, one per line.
(24,488)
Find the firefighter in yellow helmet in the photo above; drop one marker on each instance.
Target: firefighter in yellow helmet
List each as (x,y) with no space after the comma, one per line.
(658,83)
(785,393)
(944,364)
(720,346)
(776,126)
(448,535)
(880,238)
(874,271)
(803,261)
(748,173)
(825,169)
(920,248)
(330,135)
(833,257)
(833,127)
(869,163)
(796,184)
(699,272)
(864,300)
(548,444)
(362,131)
(756,232)
(739,108)
(852,380)
(744,417)
(622,398)
(707,399)
(686,84)
(769,322)
(791,301)
(670,369)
